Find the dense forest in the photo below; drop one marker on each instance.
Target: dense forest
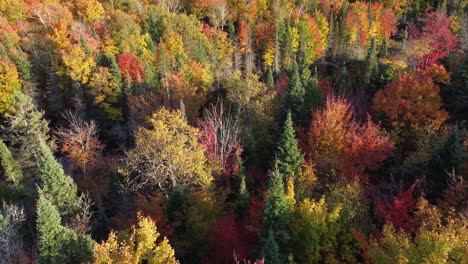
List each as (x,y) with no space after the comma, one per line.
(233,131)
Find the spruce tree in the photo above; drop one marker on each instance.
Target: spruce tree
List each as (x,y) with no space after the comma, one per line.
(57,187)
(296,94)
(288,157)
(115,71)
(443,160)
(11,169)
(23,129)
(155,26)
(313,95)
(269,249)
(276,217)
(384,49)
(59,244)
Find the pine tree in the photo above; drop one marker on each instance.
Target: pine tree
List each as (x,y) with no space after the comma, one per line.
(57,187)
(23,129)
(288,157)
(59,244)
(11,169)
(296,94)
(443,160)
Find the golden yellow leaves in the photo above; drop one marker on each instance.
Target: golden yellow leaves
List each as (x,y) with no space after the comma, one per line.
(9,84)
(138,246)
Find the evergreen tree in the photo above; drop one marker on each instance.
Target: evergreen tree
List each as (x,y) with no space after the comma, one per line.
(372,64)
(270,78)
(443,160)
(115,71)
(288,157)
(155,26)
(2,51)
(11,169)
(57,187)
(59,244)
(85,46)
(296,94)
(23,129)
(270,250)
(384,49)
(276,218)
(313,95)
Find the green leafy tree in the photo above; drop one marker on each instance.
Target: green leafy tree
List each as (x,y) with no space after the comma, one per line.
(11,169)
(59,244)
(288,157)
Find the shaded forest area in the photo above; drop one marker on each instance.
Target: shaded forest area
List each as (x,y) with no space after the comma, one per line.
(233,131)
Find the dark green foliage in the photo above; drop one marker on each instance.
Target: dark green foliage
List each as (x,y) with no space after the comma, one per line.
(275,219)
(22,131)
(270,250)
(372,63)
(11,169)
(296,95)
(155,26)
(313,95)
(114,70)
(443,160)
(56,186)
(59,244)
(288,157)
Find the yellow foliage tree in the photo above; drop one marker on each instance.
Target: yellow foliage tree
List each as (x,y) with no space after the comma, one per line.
(77,64)
(89,10)
(137,245)
(168,154)
(9,84)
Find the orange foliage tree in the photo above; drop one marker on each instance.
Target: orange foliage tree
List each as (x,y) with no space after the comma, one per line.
(412,101)
(337,142)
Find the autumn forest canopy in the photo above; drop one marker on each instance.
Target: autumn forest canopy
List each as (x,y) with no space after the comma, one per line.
(233,131)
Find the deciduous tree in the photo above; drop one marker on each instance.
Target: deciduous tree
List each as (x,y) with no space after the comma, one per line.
(168,154)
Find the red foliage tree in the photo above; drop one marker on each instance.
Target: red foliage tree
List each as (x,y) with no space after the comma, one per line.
(226,240)
(400,209)
(243,34)
(131,68)
(437,31)
(336,141)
